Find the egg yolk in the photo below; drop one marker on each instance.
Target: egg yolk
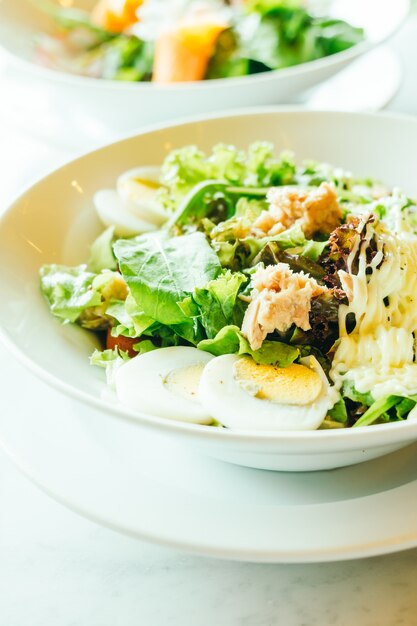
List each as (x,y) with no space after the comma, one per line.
(295,384)
(151,184)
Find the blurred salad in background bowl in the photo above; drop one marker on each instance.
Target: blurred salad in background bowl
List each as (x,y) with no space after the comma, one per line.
(150,70)
(169,41)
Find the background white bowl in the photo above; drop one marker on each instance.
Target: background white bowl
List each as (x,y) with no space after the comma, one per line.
(95,106)
(54,221)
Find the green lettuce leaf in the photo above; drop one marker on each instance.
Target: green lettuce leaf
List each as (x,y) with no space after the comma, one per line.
(101,252)
(226,60)
(236,252)
(198,204)
(181,171)
(237,255)
(227,341)
(339,413)
(231,341)
(291,238)
(250,208)
(388,408)
(377,410)
(272,254)
(312,250)
(403,408)
(132,322)
(68,290)
(144,346)
(217,302)
(213,202)
(162,272)
(228,163)
(281,33)
(266,6)
(349,391)
(125,58)
(111,288)
(336,35)
(264,169)
(75,294)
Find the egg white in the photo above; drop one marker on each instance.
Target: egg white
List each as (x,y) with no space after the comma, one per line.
(111,211)
(229,403)
(142,384)
(139,199)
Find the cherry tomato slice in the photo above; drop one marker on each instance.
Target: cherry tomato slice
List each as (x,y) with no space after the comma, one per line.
(125,344)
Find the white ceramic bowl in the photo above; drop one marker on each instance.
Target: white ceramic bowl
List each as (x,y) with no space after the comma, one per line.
(54,221)
(96,106)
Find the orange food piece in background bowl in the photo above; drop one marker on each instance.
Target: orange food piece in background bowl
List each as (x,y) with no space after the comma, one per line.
(115,15)
(182,53)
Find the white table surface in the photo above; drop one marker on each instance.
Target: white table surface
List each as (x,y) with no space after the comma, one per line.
(57,569)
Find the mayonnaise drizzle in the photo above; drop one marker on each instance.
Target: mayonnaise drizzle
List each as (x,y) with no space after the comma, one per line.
(379,354)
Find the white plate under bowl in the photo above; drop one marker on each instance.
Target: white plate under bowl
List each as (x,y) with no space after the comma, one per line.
(156,489)
(99,105)
(55,221)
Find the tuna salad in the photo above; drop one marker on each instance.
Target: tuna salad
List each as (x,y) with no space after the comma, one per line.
(242,290)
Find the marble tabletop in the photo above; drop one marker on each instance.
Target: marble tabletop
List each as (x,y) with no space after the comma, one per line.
(58,569)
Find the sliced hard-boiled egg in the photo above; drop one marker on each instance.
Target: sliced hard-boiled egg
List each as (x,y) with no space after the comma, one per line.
(165,383)
(242,394)
(112,212)
(137,189)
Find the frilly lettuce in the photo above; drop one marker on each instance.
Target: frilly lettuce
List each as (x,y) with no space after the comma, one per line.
(110,360)
(131,321)
(217,302)
(238,250)
(75,294)
(257,167)
(68,290)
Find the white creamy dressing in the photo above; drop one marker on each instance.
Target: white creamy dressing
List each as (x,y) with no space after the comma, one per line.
(378,356)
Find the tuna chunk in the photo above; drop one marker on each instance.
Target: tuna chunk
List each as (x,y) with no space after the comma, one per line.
(280,298)
(317,209)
